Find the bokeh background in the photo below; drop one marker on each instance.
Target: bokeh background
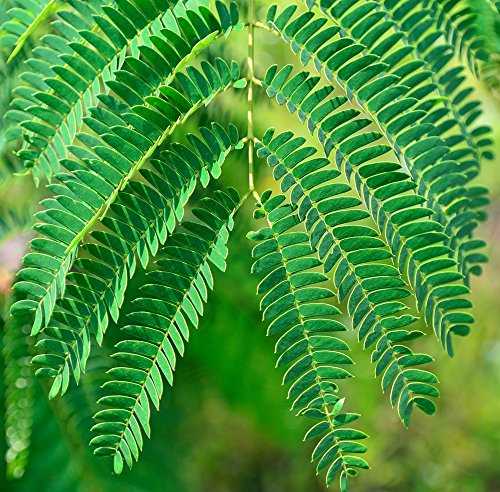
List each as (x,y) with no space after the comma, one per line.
(225,425)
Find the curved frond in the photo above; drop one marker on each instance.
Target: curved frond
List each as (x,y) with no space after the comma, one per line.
(356,258)
(171,302)
(455,19)
(141,219)
(458,20)
(162,40)
(419,244)
(127,140)
(24,18)
(394,100)
(296,303)
(396,30)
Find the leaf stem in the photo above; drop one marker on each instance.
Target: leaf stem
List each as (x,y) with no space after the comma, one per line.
(251,76)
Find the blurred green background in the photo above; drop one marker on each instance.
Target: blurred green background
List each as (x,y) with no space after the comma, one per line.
(225,425)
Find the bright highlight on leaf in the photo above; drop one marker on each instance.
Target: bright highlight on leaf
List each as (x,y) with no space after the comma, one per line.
(131,113)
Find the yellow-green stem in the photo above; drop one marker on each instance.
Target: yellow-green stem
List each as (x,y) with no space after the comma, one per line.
(251,76)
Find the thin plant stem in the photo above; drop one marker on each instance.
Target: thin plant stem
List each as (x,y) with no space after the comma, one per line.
(251,76)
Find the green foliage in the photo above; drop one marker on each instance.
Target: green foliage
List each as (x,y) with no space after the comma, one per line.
(159,323)
(376,218)
(299,311)
(354,255)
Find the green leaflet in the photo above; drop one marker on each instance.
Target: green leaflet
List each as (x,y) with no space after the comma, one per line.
(459,26)
(296,304)
(111,164)
(454,123)
(171,302)
(353,255)
(382,214)
(142,218)
(37,102)
(435,63)
(388,193)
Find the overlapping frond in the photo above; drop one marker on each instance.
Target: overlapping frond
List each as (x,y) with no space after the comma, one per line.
(170,302)
(398,29)
(141,219)
(455,19)
(356,258)
(161,40)
(37,99)
(419,244)
(296,304)
(394,98)
(128,138)
(432,72)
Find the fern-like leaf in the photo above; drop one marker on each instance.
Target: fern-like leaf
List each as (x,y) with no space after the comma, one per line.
(166,39)
(457,19)
(391,101)
(144,215)
(296,304)
(87,192)
(25,17)
(388,193)
(169,304)
(356,258)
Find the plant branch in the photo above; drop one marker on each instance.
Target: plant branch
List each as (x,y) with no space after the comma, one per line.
(251,76)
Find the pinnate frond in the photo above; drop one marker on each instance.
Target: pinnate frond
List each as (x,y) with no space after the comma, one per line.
(24,18)
(355,257)
(377,211)
(170,302)
(395,99)
(296,304)
(142,218)
(162,40)
(389,194)
(105,167)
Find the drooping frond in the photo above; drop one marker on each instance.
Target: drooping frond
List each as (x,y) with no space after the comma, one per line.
(166,38)
(105,167)
(296,304)
(18,393)
(171,301)
(388,98)
(355,257)
(419,244)
(453,18)
(377,211)
(141,219)
(395,30)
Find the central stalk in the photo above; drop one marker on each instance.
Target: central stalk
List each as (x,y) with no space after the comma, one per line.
(251,76)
